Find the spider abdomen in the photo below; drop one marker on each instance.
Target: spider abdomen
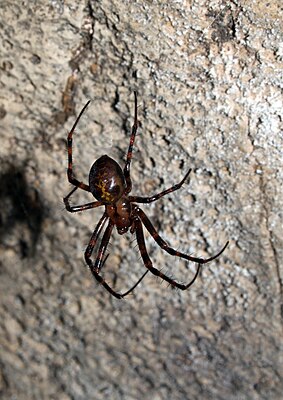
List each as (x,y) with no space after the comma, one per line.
(106,180)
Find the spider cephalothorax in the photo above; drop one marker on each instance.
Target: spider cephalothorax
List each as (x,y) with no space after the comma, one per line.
(111,186)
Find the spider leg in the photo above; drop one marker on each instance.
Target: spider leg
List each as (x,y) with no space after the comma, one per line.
(130,149)
(100,260)
(138,199)
(95,267)
(166,247)
(70,174)
(83,207)
(94,236)
(148,263)
(135,285)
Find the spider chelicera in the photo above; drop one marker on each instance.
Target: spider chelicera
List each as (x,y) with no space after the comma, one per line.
(111,186)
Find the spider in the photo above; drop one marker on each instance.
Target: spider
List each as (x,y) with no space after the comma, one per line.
(110,185)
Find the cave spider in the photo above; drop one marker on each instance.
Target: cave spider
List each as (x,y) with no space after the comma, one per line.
(110,185)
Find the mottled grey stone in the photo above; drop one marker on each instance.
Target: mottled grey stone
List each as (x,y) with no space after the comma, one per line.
(209,81)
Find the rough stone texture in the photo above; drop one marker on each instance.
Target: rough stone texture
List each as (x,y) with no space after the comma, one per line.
(209,79)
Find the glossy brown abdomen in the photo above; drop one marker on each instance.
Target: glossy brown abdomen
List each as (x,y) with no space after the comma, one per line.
(106,180)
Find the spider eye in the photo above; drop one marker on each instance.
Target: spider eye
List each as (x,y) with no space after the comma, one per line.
(122,230)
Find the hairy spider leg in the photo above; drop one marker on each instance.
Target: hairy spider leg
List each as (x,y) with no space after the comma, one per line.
(139,199)
(70,174)
(130,149)
(148,263)
(166,247)
(82,207)
(100,259)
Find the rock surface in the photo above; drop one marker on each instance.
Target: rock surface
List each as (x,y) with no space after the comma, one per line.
(209,80)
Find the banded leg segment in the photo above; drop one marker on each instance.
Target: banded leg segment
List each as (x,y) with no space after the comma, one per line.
(100,260)
(169,249)
(94,237)
(138,199)
(95,267)
(130,149)
(82,207)
(70,174)
(148,263)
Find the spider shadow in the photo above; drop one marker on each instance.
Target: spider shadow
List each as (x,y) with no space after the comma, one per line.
(21,207)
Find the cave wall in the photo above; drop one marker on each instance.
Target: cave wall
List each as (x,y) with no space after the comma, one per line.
(209,80)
